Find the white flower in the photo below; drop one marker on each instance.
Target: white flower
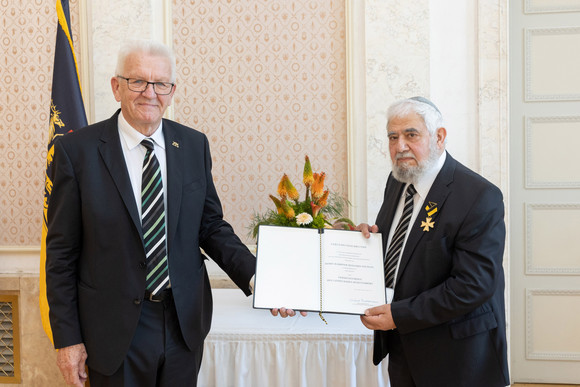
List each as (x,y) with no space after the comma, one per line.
(303,219)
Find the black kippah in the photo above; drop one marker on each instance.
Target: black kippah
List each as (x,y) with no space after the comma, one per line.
(425,100)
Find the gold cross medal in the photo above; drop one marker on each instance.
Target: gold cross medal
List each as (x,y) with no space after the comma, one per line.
(431,209)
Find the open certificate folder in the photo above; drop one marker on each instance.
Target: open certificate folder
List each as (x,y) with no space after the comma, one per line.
(327,270)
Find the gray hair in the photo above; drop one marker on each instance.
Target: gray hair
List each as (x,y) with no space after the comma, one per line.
(426,109)
(149,47)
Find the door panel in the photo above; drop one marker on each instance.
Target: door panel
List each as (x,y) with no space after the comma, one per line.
(545,191)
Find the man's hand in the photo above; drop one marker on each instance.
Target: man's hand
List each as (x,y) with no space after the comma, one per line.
(367,229)
(71,362)
(285,312)
(378,318)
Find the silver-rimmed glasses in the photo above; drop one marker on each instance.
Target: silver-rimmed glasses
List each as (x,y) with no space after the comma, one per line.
(140,85)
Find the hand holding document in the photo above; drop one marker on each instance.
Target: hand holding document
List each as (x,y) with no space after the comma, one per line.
(331,271)
(286,312)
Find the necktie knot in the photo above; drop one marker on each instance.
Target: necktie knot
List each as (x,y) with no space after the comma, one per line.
(148,144)
(411,191)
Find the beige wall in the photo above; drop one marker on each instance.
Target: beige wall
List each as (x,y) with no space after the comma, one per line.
(27,41)
(28,35)
(265,82)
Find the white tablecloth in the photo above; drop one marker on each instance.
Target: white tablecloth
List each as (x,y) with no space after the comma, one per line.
(250,348)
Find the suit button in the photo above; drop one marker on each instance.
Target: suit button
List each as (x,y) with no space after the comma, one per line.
(137,301)
(142,265)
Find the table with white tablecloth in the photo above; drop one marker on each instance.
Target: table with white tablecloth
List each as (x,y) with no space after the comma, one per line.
(247,347)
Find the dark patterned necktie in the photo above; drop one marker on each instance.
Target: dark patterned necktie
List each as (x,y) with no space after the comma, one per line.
(394,251)
(153,221)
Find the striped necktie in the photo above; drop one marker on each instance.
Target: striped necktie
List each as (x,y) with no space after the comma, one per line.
(153,221)
(394,251)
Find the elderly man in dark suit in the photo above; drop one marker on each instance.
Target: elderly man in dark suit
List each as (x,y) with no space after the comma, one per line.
(444,234)
(132,203)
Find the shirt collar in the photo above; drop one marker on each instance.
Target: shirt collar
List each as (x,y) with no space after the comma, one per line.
(424,183)
(133,137)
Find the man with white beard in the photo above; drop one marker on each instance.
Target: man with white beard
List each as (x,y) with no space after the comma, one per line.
(443,236)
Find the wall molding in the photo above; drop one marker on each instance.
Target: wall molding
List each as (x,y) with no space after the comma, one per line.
(4,250)
(19,260)
(529,34)
(25,260)
(493,109)
(539,355)
(529,179)
(356,126)
(529,7)
(529,237)
(84,59)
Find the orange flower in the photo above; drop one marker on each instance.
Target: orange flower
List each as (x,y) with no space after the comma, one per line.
(324,199)
(288,211)
(289,188)
(278,204)
(282,188)
(308,177)
(315,208)
(318,185)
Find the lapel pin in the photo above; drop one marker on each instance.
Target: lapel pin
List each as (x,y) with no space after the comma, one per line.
(427,224)
(175,144)
(431,209)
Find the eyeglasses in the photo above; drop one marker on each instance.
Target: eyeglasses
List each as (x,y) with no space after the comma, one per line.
(140,85)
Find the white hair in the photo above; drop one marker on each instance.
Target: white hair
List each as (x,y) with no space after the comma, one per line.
(149,47)
(426,109)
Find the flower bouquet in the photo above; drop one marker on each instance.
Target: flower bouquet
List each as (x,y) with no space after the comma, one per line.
(319,209)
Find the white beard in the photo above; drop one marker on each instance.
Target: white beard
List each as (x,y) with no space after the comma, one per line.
(412,173)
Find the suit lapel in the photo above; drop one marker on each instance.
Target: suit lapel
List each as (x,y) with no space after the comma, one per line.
(175,164)
(112,154)
(437,195)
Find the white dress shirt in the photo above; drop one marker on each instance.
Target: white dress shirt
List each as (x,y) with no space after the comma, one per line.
(423,185)
(134,154)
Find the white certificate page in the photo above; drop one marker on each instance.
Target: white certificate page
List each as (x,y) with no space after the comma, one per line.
(289,263)
(287,268)
(353,279)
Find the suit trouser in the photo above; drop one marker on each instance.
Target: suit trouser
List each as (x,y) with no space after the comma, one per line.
(158,356)
(399,372)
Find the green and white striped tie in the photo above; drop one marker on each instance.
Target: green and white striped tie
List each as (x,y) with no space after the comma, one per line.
(153,222)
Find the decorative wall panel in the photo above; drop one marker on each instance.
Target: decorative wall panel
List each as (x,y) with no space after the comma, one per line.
(556,311)
(552,169)
(547,226)
(492,87)
(541,6)
(265,80)
(397,66)
(108,20)
(552,61)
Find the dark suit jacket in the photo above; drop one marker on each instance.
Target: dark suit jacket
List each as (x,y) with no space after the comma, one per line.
(449,296)
(95,266)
